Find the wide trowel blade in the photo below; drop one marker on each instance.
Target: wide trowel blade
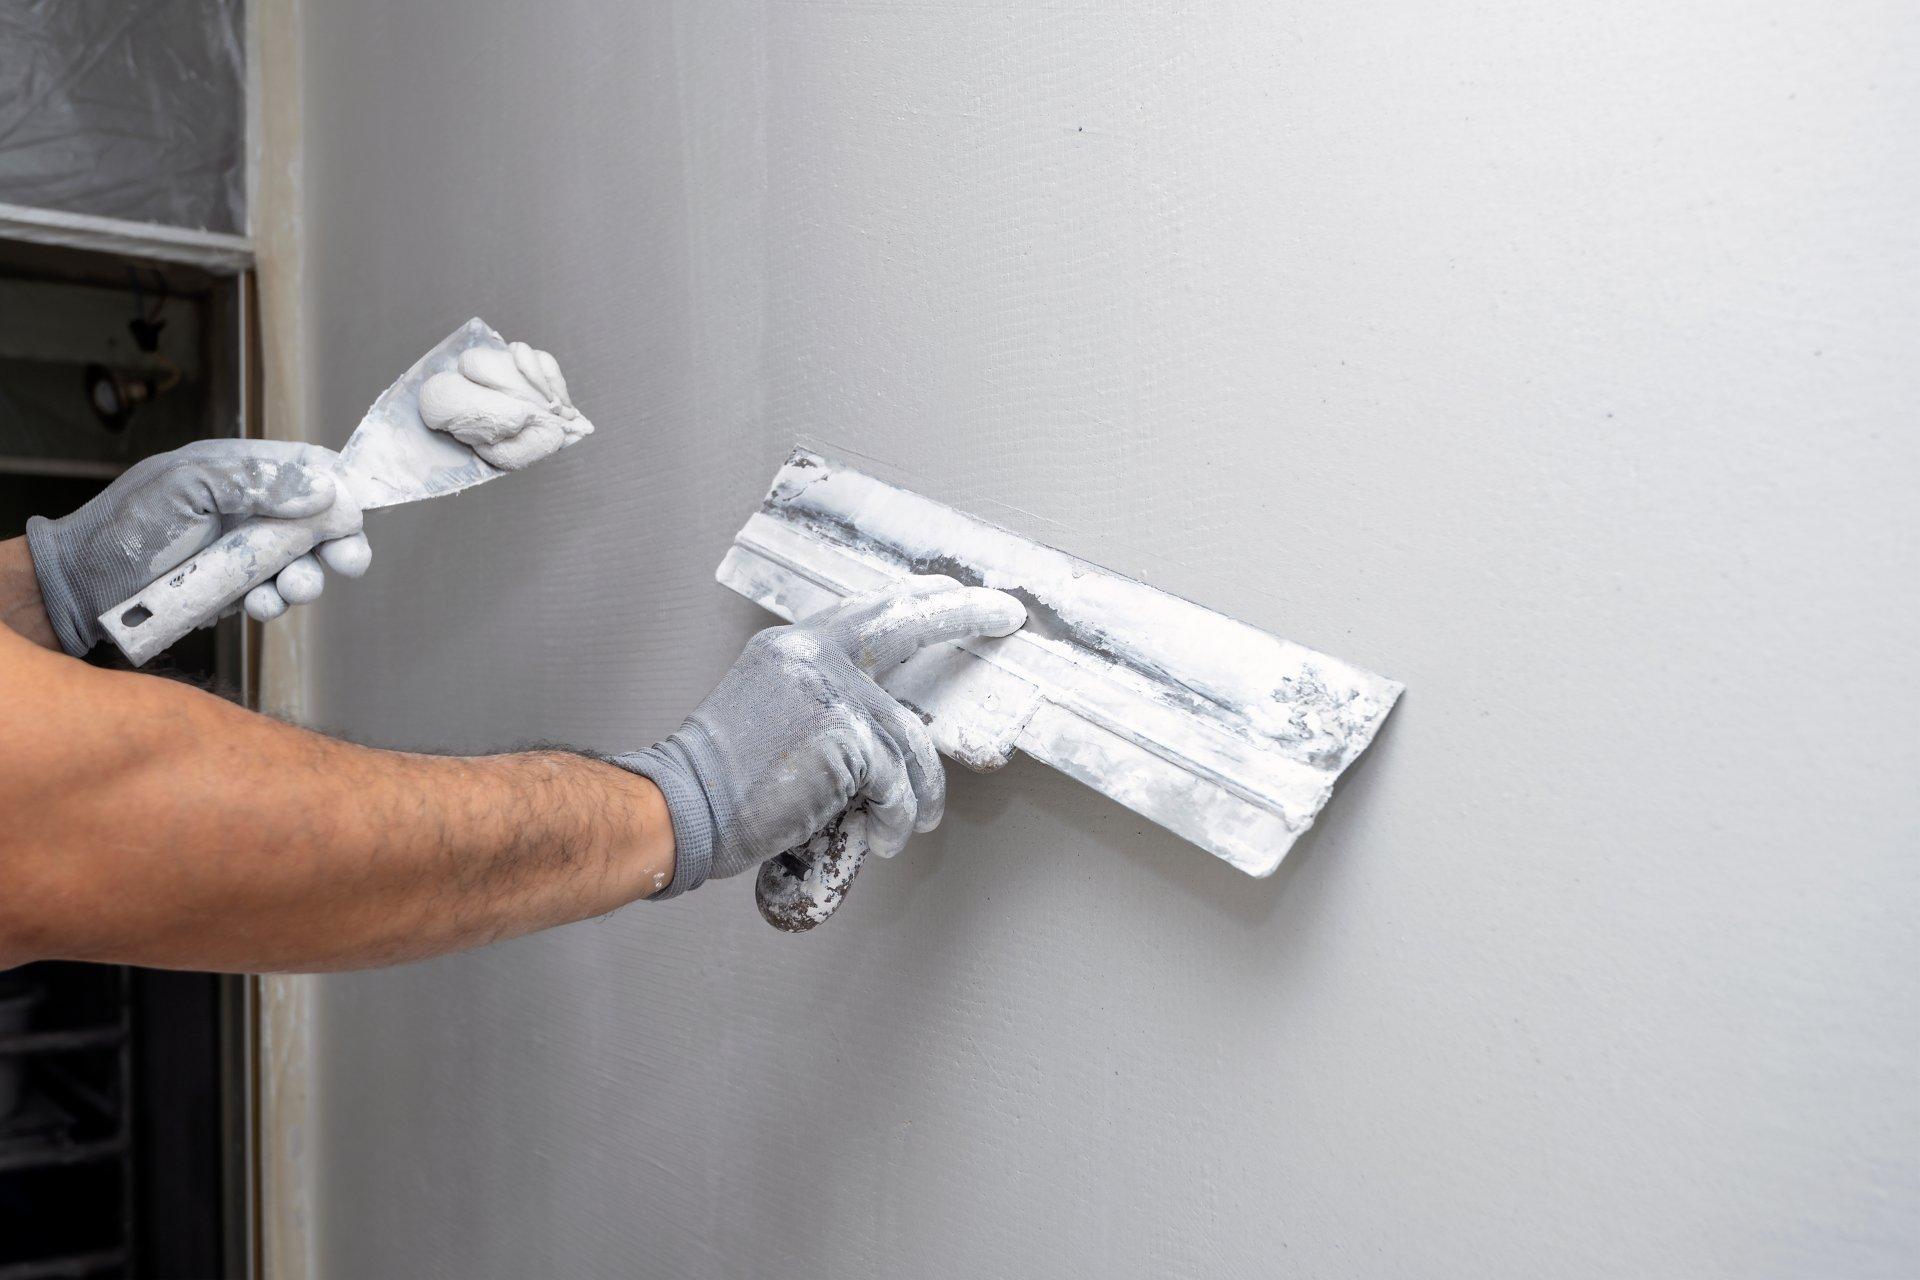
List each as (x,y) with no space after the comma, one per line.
(393,456)
(1223,733)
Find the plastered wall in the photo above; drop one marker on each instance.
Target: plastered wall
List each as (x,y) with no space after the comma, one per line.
(1557,360)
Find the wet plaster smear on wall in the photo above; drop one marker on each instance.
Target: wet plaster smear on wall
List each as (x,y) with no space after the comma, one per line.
(1546,358)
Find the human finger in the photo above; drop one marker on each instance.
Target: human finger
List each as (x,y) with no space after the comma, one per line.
(264,603)
(302,581)
(348,557)
(887,630)
(902,729)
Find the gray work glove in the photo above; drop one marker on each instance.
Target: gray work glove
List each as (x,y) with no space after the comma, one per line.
(797,732)
(166,508)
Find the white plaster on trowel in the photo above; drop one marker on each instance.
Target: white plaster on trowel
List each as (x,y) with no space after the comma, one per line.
(510,407)
(392,457)
(1219,731)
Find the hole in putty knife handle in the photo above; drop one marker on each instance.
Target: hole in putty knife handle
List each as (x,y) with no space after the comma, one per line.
(135,616)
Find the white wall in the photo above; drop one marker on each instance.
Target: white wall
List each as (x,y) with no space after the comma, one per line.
(1558,360)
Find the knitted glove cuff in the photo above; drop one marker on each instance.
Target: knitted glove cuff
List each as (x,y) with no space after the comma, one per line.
(666,765)
(49,543)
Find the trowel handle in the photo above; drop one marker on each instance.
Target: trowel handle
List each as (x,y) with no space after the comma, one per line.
(803,886)
(196,592)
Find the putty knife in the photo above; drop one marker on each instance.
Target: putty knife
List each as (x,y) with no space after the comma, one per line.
(1224,734)
(392,457)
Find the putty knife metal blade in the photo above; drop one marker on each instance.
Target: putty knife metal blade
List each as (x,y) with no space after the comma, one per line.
(391,457)
(1224,734)
(394,457)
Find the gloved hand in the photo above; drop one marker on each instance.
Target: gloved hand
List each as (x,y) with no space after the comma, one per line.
(170,506)
(797,732)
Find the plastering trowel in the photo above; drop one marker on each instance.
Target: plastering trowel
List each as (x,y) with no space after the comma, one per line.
(1224,734)
(392,457)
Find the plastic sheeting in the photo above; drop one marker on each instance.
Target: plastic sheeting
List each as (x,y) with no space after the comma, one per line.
(125,108)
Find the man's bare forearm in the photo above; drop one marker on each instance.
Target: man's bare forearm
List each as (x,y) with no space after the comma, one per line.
(21,609)
(151,823)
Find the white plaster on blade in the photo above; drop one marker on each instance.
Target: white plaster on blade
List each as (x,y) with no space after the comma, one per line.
(1228,735)
(403,460)
(392,457)
(510,407)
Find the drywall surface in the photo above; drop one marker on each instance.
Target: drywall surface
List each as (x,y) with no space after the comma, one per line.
(1557,360)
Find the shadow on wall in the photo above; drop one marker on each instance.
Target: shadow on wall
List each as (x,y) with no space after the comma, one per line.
(1095,822)
(992,957)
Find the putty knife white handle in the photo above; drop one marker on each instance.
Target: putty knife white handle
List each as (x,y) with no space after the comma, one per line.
(196,592)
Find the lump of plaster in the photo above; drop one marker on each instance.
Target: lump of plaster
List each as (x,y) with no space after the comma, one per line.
(510,407)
